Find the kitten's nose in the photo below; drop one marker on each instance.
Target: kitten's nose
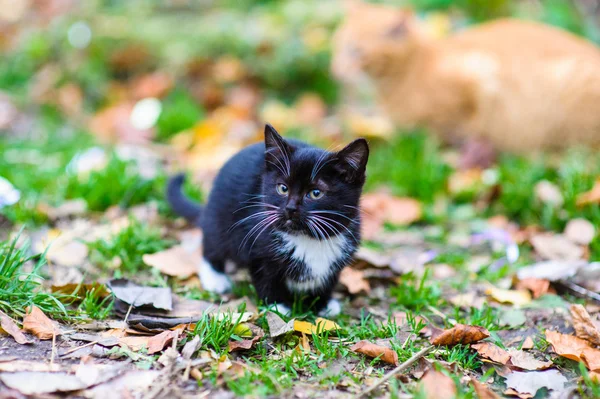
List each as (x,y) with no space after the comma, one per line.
(291,209)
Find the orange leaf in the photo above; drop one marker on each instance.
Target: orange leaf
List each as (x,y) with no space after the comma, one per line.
(583,324)
(381,207)
(9,326)
(483,391)
(158,342)
(492,352)
(437,385)
(460,334)
(537,286)
(175,261)
(590,197)
(592,359)
(354,280)
(567,346)
(37,323)
(385,354)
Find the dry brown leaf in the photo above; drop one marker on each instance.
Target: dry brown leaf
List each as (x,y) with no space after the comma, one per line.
(583,324)
(514,297)
(175,261)
(460,334)
(568,346)
(354,280)
(385,354)
(512,392)
(526,361)
(556,247)
(590,197)
(580,231)
(492,352)
(528,343)
(381,207)
(9,326)
(483,391)
(158,342)
(437,385)
(592,358)
(243,344)
(537,286)
(37,323)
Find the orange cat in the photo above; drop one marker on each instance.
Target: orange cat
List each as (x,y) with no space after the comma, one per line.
(518,85)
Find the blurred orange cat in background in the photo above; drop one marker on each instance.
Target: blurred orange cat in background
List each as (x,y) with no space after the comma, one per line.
(519,86)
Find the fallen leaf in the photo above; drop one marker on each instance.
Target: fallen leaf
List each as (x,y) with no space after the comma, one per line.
(530,382)
(590,197)
(385,354)
(512,392)
(136,295)
(69,253)
(528,343)
(75,207)
(514,297)
(37,323)
(437,385)
(556,247)
(191,347)
(304,343)
(322,325)
(277,326)
(526,361)
(580,231)
(175,261)
(591,356)
(158,342)
(354,280)
(243,344)
(380,208)
(492,352)
(567,346)
(537,286)
(512,317)
(551,270)
(372,257)
(9,326)
(483,391)
(583,324)
(459,334)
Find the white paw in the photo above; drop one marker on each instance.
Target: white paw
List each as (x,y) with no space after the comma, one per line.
(333,308)
(212,280)
(281,308)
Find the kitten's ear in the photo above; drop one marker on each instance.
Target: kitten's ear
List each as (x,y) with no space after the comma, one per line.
(277,151)
(352,160)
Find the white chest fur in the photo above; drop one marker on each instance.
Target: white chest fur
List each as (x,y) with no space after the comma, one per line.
(318,257)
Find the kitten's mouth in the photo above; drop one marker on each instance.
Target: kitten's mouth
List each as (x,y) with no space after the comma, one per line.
(293,225)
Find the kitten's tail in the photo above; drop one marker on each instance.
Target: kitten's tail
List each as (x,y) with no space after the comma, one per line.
(181,204)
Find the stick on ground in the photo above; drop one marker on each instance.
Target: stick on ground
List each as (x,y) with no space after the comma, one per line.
(395,371)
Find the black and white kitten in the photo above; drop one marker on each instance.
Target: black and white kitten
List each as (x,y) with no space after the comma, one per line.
(286,210)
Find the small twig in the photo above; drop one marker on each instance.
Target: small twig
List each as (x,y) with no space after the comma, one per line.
(395,371)
(53,347)
(79,347)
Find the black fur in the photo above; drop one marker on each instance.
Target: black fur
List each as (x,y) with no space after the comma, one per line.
(234,229)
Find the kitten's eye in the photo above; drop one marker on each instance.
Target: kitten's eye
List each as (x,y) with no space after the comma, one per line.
(282,189)
(315,194)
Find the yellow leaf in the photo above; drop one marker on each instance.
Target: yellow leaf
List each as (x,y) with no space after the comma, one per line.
(515,297)
(326,325)
(304,327)
(242,330)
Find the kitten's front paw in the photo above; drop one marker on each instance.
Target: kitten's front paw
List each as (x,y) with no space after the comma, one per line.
(212,280)
(281,308)
(333,308)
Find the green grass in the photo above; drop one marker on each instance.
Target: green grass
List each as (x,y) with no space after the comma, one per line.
(415,293)
(19,289)
(411,165)
(124,250)
(216,332)
(96,306)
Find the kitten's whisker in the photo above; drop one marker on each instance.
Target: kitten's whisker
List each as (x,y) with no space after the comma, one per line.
(255,229)
(254,204)
(332,213)
(358,209)
(262,231)
(324,235)
(278,166)
(346,228)
(257,214)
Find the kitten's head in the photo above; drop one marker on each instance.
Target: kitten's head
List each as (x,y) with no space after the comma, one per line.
(370,35)
(314,192)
